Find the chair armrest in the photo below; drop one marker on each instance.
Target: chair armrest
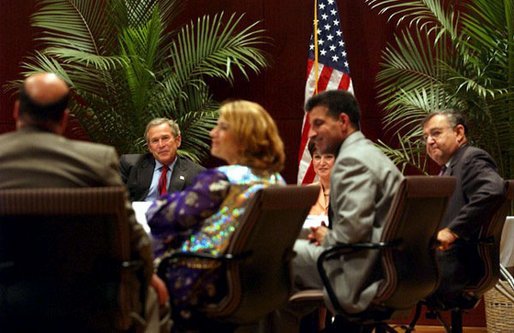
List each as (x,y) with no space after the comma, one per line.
(341,249)
(175,256)
(208,256)
(132,265)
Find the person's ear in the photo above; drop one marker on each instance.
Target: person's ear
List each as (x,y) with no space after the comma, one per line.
(63,122)
(344,120)
(178,139)
(460,133)
(16,110)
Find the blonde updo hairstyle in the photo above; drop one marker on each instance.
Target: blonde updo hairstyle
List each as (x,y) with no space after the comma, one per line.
(262,148)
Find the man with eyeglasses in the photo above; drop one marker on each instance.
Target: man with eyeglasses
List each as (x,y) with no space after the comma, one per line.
(162,170)
(478,189)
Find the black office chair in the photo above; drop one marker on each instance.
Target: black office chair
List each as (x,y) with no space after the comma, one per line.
(488,248)
(406,260)
(65,261)
(258,256)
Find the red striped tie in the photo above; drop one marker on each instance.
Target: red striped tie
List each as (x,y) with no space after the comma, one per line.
(163,180)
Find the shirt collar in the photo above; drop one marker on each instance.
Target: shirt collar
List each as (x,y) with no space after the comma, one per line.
(158,165)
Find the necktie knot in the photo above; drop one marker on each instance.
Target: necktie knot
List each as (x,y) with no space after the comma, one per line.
(163,180)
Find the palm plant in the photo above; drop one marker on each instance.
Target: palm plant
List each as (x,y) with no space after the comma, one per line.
(450,54)
(126,67)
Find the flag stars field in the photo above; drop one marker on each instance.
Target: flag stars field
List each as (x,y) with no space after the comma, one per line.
(330,72)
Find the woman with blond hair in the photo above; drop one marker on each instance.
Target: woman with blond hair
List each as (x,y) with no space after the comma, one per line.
(203,217)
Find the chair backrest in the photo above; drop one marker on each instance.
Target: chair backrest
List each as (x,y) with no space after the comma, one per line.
(61,252)
(489,246)
(267,232)
(410,270)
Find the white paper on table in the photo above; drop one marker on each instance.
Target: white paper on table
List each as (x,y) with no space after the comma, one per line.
(140,208)
(507,243)
(314,221)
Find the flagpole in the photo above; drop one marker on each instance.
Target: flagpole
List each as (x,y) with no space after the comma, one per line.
(315,33)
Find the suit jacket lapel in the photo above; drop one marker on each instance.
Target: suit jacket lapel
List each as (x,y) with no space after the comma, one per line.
(455,160)
(146,174)
(178,177)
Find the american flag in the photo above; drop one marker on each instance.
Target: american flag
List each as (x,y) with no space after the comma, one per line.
(333,73)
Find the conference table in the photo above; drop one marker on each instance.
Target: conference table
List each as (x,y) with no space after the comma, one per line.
(506,245)
(140,208)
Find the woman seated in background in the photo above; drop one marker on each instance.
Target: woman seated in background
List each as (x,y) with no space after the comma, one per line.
(204,216)
(322,165)
(318,215)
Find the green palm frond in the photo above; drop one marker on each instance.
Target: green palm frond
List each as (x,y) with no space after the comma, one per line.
(73,24)
(407,68)
(409,154)
(411,107)
(429,15)
(126,66)
(211,47)
(455,55)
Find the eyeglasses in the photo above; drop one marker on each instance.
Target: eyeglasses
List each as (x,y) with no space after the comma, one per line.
(436,133)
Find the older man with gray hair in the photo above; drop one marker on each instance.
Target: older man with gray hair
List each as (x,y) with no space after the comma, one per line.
(161,170)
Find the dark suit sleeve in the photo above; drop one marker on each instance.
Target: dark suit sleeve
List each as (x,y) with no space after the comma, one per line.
(125,167)
(184,173)
(193,171)
(140,245)
(482,187)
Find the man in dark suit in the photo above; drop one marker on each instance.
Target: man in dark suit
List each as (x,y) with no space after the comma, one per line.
(142,173)
(37,155)
(478,189)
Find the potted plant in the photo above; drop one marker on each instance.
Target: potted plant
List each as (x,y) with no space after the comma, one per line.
(450,54)
(126,66)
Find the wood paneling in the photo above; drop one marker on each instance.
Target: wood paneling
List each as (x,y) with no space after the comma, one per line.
(280,88)
(15,43)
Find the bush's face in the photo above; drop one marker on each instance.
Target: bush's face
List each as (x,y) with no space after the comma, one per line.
(162,143)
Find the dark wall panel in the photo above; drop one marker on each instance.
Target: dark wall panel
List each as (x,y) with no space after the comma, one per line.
(15,43)
(280,88)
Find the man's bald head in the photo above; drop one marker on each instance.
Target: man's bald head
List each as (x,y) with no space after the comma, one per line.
(44,97)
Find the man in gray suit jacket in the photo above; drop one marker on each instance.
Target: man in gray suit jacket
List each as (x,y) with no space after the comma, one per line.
(37,155)
(141,172)
(478,190)
(362,186)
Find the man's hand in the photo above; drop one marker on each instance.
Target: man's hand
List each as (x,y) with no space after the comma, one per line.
(318,234)
(160,288)
(446,238)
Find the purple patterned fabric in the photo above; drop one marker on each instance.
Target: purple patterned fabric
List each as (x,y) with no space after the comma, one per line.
(201,218)
(175,216)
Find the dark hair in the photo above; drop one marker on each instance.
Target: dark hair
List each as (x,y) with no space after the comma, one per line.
(337,102)
(454,118)
(42,112)
(311,147)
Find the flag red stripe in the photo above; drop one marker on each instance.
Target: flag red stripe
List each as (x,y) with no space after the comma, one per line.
(324,78)
(310,64)
(345,82)
(309,175)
